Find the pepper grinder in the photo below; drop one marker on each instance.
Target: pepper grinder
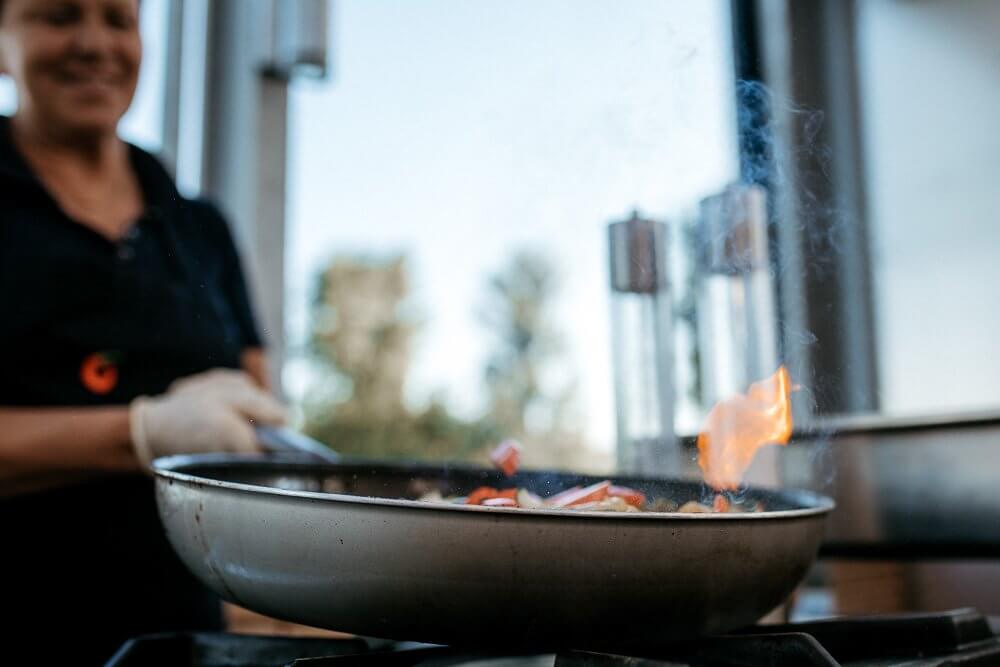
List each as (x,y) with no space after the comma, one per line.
(643,347)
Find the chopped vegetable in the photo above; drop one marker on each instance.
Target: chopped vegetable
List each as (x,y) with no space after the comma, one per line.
(477,496)
(609,504)
(499,502)
(556,499)
(631,496)
(527,499)
(483,493)
(433,497)
(692,507)
(661,505)
(587,494)
(600,497)
(720,504)
(507,456)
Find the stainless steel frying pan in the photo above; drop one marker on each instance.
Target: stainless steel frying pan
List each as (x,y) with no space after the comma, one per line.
(343,546)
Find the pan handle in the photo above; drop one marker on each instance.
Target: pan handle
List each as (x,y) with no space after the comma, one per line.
(281,439)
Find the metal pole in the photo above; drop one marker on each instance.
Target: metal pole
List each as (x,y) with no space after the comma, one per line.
(172,85)
(243,164)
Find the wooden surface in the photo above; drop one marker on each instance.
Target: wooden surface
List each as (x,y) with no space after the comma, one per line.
(244,621)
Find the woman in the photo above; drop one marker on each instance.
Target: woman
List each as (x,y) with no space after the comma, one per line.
(122,305)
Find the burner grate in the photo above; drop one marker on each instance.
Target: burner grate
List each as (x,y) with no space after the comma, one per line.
(227,650)
(960,637)
(894,636)
(787,648)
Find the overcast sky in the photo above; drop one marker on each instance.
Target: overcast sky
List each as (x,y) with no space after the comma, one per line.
(457,132)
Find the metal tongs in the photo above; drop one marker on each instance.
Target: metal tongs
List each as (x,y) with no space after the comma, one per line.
(281,439)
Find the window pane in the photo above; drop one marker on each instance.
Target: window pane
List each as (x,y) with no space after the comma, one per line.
(931,91)
(486,146)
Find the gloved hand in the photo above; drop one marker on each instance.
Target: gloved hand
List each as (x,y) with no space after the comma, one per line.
(208,412)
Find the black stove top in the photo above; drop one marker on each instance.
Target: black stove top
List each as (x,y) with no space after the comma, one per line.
(959,637)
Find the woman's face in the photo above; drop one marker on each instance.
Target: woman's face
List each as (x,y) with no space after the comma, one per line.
(75,62)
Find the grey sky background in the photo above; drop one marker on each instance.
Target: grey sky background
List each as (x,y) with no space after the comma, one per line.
(456,133)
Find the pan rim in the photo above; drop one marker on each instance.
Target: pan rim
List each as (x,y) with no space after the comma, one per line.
(166,469)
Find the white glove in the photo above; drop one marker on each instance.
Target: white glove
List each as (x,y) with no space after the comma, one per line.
(209,412)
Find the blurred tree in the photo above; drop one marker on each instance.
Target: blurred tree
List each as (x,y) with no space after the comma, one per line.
(361,335)
(518,314)
(515,313)
(359,332)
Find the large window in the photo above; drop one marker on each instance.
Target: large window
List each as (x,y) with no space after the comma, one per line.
(931,99)
(449,193)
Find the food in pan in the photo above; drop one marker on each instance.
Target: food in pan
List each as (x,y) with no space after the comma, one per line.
(600,497)
(507,456)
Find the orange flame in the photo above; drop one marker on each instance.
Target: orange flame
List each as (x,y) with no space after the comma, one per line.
(737,427)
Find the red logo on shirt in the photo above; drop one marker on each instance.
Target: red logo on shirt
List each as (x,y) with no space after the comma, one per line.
(98,373)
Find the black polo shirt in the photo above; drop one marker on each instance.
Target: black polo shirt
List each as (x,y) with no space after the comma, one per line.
(166,301)
(85,321)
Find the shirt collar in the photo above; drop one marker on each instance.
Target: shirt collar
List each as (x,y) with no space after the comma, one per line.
(13,167)
(157,186)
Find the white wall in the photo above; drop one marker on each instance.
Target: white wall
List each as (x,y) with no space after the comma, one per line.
(930,89)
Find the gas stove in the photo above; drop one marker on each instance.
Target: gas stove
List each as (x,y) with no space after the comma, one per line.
(959,637)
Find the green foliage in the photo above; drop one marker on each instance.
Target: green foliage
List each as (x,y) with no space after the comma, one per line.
(516,315)
(361,336)
(432,434)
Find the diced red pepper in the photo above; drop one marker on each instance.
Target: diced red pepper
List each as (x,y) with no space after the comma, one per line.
(499,502)
(720,504)
(631,496)
(557,498)
(477,496)
(480,495)
(507,456)
(588,494)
